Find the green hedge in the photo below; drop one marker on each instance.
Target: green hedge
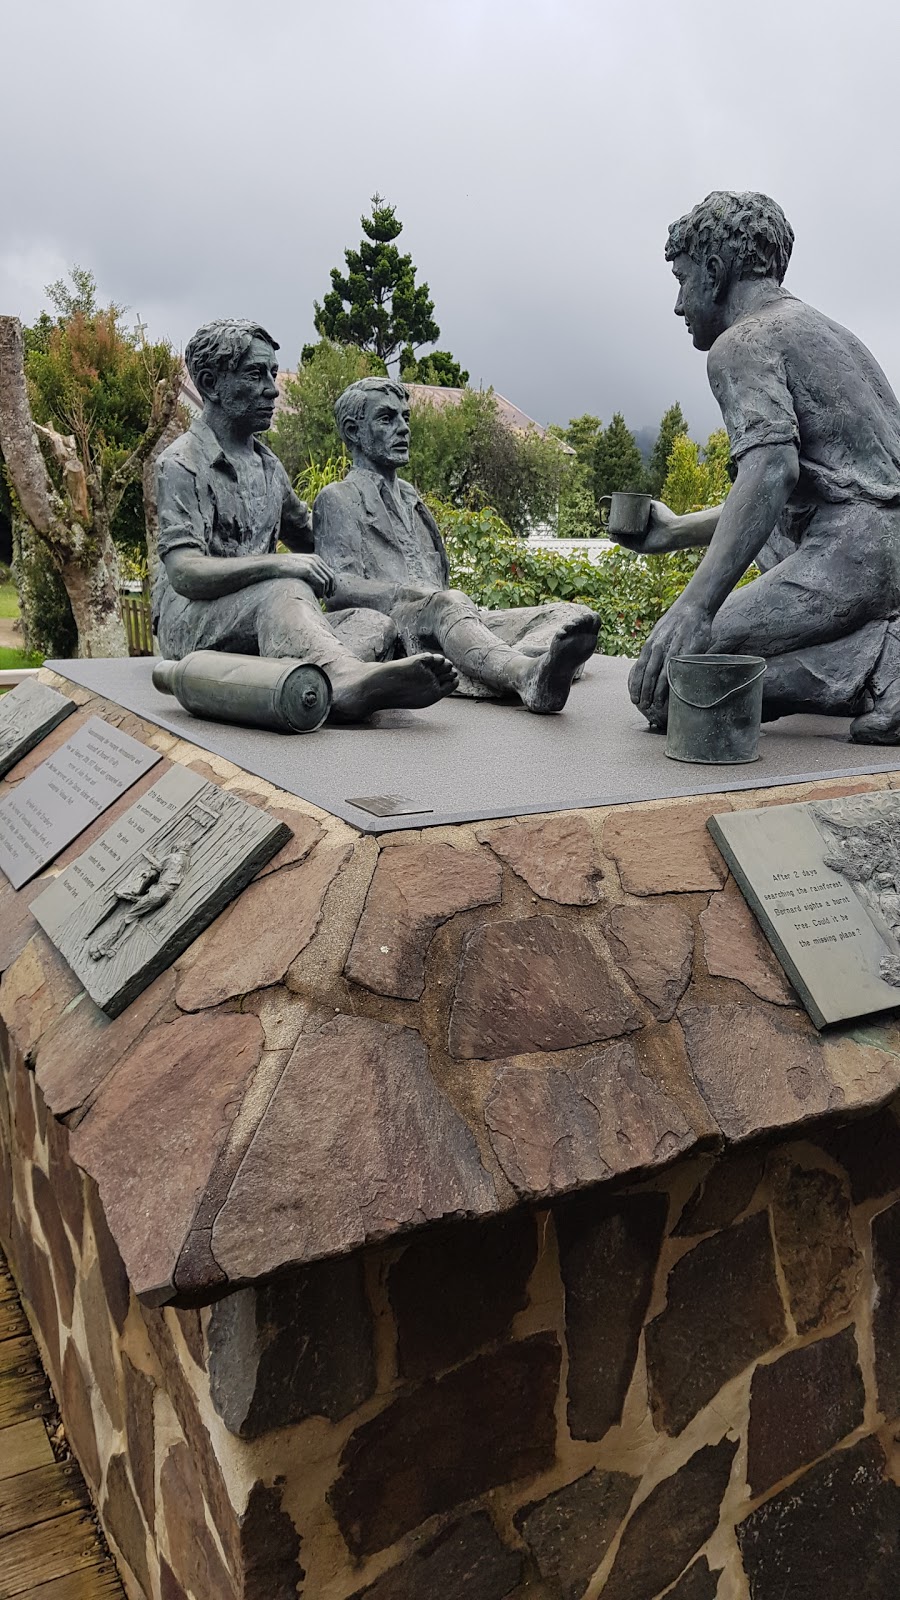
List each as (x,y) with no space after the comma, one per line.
(629,592)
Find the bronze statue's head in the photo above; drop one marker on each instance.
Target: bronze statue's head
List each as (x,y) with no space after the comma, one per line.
(233,365)
(373,420)
(728,237)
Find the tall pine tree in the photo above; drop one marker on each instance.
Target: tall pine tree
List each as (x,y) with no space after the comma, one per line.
(672,424)
(617,460)
(377,304)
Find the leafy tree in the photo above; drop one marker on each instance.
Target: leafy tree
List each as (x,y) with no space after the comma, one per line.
(377,304)
(618,463)
(304,430)
(579,513)
(672,424)
(83,404)
(692,483)
(437,368)
(466,454)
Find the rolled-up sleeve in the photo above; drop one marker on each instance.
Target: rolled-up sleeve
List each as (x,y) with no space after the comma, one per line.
(181,520)
(747,377)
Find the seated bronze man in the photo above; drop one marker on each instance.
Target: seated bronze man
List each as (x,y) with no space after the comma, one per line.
(383,547)
(224,504)
(814,428)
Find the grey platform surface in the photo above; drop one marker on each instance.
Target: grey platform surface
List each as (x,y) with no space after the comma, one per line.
(465,760)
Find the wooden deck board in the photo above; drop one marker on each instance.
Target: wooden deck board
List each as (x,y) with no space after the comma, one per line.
(39,1495)
(22,1447)
(50,1548)
(91,1583)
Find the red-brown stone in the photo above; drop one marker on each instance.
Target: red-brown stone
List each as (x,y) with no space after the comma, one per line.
(141,1436)
(608,1254)
(75,1405)
(723,1309)
(555,855)
(667,1529)
(154,1132)
(801,1406)
(484,1424)
(306,833)
(98,1336)
(886,1316)
(416,887)
(533,985)
(81,1046)
(357,1143)
(570,1531)
(252,944)
(454,1292)
(666,849)
(33,991)
(192,1550)
(654,944)
(815,1244)
(65,1180)
(735,947)
(757,1071)
(112,1268)
(51,1222)
(559,1128)
(123,1521)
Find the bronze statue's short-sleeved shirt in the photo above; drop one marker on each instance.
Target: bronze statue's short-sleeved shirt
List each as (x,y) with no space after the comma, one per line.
(786,374)
(202,505)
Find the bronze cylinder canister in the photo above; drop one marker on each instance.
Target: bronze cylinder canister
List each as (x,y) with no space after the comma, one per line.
(254,691)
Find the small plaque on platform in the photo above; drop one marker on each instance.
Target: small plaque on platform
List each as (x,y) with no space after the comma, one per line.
(27,714)
(823,880)
(388,805)
(126,909)
(66,793)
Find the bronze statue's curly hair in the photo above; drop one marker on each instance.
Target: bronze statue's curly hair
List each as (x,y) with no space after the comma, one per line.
(220,346)
(749,231)
(350,405)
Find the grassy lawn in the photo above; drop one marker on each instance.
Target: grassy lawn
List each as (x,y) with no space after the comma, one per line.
(9,604)
(18,658)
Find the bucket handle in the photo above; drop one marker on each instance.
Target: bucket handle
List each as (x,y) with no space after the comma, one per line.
(696,705)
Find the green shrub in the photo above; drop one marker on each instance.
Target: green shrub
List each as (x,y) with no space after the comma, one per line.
(630,593)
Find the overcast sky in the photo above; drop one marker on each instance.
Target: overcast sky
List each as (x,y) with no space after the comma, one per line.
(210,157)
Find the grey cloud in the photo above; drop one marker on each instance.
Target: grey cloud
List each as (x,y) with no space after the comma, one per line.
(207,157)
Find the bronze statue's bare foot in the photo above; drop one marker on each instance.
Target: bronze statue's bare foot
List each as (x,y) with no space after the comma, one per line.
(546,688)
(881,725)
(407,685)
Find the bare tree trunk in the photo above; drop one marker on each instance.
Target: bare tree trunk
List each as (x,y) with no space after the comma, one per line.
(85,556)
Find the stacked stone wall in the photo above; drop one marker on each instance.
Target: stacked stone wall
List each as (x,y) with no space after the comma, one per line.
(693,1381)
(470,1213)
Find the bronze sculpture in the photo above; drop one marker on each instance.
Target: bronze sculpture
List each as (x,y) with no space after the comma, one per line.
(224,504)
(383,547)
(814,428)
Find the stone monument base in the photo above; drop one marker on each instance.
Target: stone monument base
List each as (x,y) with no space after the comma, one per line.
(471,1213)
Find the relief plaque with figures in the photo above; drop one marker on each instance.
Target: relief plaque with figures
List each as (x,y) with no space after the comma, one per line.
(27,714)
(127,908)
(823,880)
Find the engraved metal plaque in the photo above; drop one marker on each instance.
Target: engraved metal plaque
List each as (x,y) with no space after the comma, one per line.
(388,805)
(27,714)
(823,880)
(66,793)
(126,909)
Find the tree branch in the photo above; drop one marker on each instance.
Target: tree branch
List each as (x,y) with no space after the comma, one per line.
(165,403)
(64,450)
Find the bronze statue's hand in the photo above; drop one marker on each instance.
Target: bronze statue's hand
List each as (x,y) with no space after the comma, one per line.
(686,629)
(657,536)
(312,570)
